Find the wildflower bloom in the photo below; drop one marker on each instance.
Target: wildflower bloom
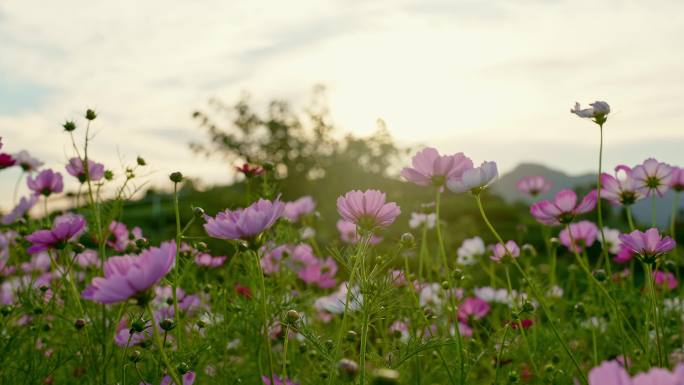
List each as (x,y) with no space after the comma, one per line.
(474,179)
(624,255)
(66,228)
(612,240)
(677,179)
(499,251)
(250,171)
(469,250)
(349,233)
(76,169)
(620,189)
(302,206)
(649,244)
(320,273)
(597,111)
(367,209)
(430,168)
(127,276)
(418,219)
(612,373)
(47,182)
(208,260)
(563,208)
(120,237)
(665,279)
(652,177)
(244,223)
(25,204)
(26,161)
(473,308)
(534,185)
(6,160)
(583,233)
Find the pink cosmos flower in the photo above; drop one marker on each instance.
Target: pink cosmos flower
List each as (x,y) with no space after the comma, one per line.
(120,237)
(584,234)
(322,273)
(649,244)
(474,179)
(75,168)
(208,260)
(499,251)
(277,380)
(272,256)
(367,209)
(677,180)
(597,110)
(127,276)
(665,279)
(563,208)
(66,228)
(652,177)
(612,373)
(473,308)
(163,301)
(349,234)
(620,189)
(244,223)
(6,160)
(534,185)
(25,204)
(430,168)
(88,258)
(46,182)
(26,161)
(302,206)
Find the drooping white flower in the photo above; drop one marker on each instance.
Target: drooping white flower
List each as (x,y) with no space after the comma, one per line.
(597,110)
(475,179)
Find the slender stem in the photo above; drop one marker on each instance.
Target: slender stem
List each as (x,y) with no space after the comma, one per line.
(673,220)
(535,292)
(630,220)
(653,210)
(287,338)
(16,188)
(176,268)
(499,354)
(604,247)
(423,251)
(165,359)
(264,314)
(364,341)
(654,310)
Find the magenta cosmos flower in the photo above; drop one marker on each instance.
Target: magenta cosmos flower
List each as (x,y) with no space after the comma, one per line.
(302,206)
(66,228)
(612,373)
(75,168)
(25,204)
(665,279)
(534,185)
(652,177)
(6,160)
(472,308)
(563,209)
(583,233)
(46,182)
(499,251)
(127,276)
(677,180)
(649,244)
(430,168)
(367,209)
(244,223)
(620,189)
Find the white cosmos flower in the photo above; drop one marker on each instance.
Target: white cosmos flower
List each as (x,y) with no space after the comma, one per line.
(417,220)
(474,178)
(470,249)
(612,240)
(596,110)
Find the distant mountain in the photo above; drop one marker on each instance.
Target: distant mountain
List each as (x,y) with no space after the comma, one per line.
(506,188)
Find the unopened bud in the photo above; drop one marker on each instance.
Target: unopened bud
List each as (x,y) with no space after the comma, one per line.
(138,326)
(176,177)
(198,211)
(90,114)
(69,126)
(135,356)
(167,324)
(292,316)
(600,275)
(141,161)
(348,368)
(79,324)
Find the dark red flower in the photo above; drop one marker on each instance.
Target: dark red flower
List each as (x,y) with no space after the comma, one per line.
(243,291)
(6,160)
(250,171)
(526,324)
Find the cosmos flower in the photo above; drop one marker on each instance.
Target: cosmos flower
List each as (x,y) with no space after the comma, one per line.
(612,237)
(120,237)
(620,189)
(534,185)
(583,233)
(474,179)
(26,161)
(430,168)
(597,110)
(665,279)
(418,219)
(244,223)
(649,244)
(499,251)
(473,308)
(47,182)
(127,276)
(6,160)
(302,206)
(66,228)
(563,208)
(469,250)
(612,373)
(208,260)
(349,233)
(677,179)
(250,171)
(367,209)
(25,204)
(652,177)
(75,168)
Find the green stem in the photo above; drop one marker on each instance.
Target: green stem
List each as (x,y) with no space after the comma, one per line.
(287,337)
(630,220)
(653,210)
(165,359)
(499,354)
(176,268)
(673,220)
(535,292)
(264,314)
(604,251)
(654,311)
(364,341)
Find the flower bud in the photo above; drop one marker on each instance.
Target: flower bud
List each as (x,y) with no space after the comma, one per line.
(579,309)
(69,126)
(6,310)
(79,324)
(385,377)
(292,316)
(138,326)
(167,324)
(78,248)
(352,336)
(407,240)
(183,368)
(90,114)
(600,275)
(268,166)
(176,177)
(108,175)
(142,243)
(198,211)
(140,161)
(348,368)
(445,285)
(528,307)
(201,324)
(513,377)
(135,356)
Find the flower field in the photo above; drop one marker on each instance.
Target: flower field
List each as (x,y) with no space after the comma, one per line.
(253,294)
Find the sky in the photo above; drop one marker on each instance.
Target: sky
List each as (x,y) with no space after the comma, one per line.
(494,79)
